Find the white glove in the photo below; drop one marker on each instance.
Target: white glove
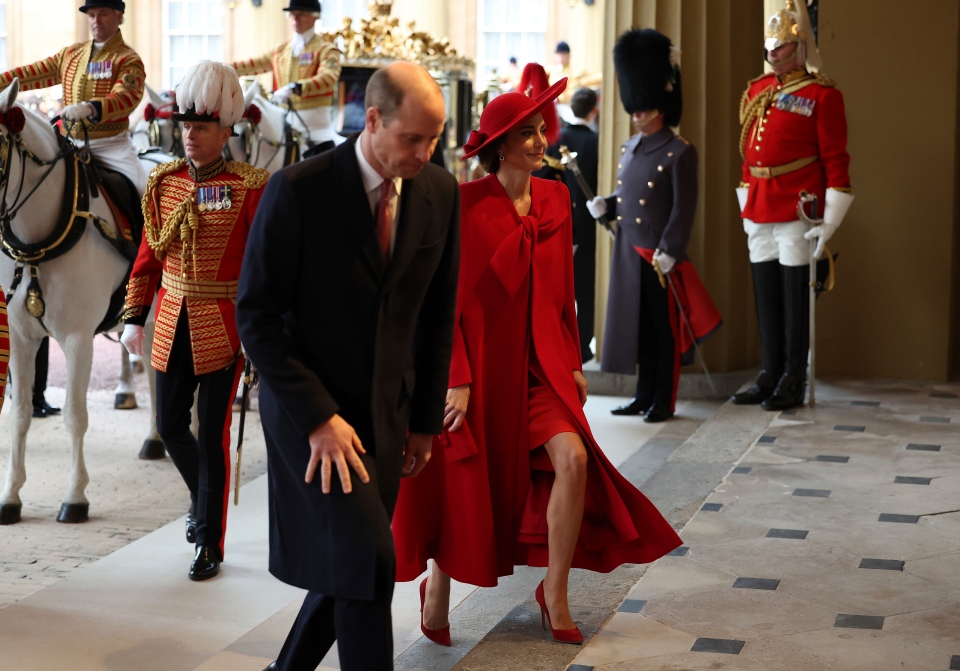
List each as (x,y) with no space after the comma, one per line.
(597,207)
(281,96)
(132,339)
(742,196)
(665,261)
(834,210)
(78,112)
(821,233)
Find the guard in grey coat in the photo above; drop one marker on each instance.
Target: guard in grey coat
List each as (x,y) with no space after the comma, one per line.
(653,206)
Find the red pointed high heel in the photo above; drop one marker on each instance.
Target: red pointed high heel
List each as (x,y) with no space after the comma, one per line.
(438,636)
(560,635)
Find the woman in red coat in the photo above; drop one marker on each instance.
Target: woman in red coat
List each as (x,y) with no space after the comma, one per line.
(517,477)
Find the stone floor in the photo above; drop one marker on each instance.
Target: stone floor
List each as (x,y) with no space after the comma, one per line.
(833,544)
(826,538)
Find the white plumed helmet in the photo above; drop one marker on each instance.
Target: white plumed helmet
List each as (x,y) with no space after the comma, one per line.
(210,91)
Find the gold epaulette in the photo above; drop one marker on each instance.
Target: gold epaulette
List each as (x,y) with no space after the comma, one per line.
(253,178)
(745,96)
(157,174)
(824,80)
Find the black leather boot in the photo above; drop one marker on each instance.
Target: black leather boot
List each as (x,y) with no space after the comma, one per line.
(759,391)
(796,313)
(634,407)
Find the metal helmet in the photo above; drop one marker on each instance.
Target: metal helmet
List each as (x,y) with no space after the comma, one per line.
(792,25)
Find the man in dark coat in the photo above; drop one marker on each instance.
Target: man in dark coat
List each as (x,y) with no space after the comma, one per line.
(654,206)
(346,306)
(582,140)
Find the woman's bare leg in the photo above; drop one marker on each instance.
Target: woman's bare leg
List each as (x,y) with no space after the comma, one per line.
(436,605)
(564,515)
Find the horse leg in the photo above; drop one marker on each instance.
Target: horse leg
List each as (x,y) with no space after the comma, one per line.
(152,447)
(23,353)
(125,395)
(79,351)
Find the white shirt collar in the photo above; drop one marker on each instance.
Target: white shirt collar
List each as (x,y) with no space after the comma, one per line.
(372,180)
(300,41)
(577,121)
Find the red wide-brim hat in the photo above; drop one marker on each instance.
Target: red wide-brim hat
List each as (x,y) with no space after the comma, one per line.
(506,111)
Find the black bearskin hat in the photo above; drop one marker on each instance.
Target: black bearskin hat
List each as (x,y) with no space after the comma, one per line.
(647,75)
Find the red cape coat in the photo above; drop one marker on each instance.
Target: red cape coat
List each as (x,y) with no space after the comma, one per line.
(479,506)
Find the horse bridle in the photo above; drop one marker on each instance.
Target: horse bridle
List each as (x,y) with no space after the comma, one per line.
(258,135)
(13,140)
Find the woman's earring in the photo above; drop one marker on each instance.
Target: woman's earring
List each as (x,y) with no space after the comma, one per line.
(500,154)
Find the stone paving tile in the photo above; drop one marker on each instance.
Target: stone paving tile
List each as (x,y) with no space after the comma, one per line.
(936,627)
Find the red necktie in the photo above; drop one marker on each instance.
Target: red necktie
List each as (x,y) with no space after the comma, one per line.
(385,219)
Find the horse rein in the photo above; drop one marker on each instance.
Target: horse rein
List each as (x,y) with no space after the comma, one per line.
(8,211)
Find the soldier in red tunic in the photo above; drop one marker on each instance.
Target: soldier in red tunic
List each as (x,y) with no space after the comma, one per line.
(197,213)
(793,139)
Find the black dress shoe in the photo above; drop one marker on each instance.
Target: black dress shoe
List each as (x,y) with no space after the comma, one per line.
(206,563)
(272,666)
(789,393)
(634,407)
(44,409)
(657,413)
(191,528)
(758,392)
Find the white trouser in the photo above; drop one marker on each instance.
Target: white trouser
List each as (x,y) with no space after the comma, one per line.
(773,242)
(118,153)
(319,124)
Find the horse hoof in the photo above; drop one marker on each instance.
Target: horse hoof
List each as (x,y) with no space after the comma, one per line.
(73,513)
(10,513)
(125,401)
(152,450)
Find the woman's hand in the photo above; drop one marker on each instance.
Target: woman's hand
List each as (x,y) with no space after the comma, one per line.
(456,409)
(581,386)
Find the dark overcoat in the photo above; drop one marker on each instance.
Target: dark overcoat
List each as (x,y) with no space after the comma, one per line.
(653,207)
(333,331)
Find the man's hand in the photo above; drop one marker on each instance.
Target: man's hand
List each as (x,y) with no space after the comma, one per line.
(665,261)
(78,112)
(416,454)
(132,339)
(282,95)
(456,409)
(581,382)
(335,443)
(597,207)
(821,233)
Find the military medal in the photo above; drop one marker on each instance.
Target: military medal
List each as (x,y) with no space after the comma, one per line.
(100,69)
(227,202)
(202,200)
(214,198)
(795,104)
(306,58)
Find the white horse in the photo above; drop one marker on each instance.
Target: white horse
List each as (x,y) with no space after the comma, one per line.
(151,126)
(265,139)
(65,296)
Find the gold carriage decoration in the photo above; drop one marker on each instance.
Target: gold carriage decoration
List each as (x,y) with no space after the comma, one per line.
(380,39)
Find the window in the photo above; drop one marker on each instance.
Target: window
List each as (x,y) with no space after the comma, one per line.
(510,28)
(3,36)
(192,31)
(335,10)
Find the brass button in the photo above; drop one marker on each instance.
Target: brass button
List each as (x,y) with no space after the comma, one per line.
(669,153)
(659,168)
(650,184)
(643,201)
(619,181)
(619,218)
(639,220)
(619,166)
(623,150)
(759,163)
(757,147)
(573,204)
(619,199)
(768,112)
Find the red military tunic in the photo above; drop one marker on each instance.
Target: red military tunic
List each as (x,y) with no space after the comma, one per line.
(199,274)
(799,119)
(113,77)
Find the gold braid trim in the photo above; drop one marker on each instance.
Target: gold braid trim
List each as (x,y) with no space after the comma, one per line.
(253,178)
(752,110)
(824,80)
(160,237)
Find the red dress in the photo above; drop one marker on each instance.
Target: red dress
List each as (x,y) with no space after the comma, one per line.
(479,507)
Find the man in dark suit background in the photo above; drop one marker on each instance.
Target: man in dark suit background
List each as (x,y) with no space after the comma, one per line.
(580,138)
(346,307)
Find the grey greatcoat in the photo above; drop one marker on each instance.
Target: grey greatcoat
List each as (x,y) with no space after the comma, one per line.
(653,206)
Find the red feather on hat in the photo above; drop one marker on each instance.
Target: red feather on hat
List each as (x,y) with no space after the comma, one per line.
(533,82)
